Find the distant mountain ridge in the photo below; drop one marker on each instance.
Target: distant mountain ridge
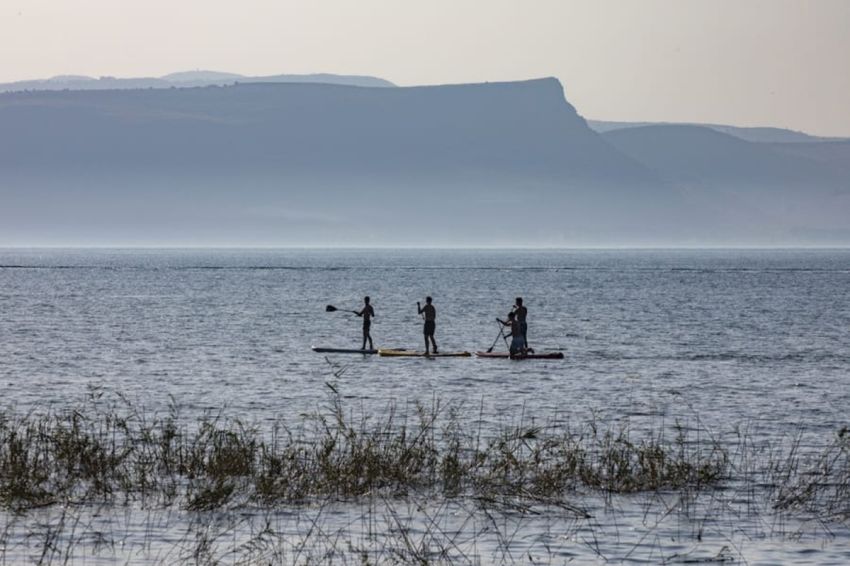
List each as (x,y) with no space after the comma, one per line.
(198,78)
(803,187)
(753,134)
(328,164)
(183,79)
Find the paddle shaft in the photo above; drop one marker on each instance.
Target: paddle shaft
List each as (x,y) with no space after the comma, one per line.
(505,338)
(493,345)
(331,308)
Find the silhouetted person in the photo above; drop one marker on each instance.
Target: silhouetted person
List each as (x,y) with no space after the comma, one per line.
(517,347)
(430,314)
(367,312)
(521,316)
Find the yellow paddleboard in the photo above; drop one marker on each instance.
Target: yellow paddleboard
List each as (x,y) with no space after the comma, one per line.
(417,354)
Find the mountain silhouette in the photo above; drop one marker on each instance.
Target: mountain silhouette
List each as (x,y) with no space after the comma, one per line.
(183,79)
(799,186)
(752,134)
(323,164)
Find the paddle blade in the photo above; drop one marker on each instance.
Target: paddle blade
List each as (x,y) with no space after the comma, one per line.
(330,308)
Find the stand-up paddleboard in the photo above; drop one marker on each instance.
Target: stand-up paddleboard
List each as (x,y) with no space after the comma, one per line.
(319,350)
(417,354)
(505,355)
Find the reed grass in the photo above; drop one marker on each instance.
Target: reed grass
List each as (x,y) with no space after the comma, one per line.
(106,454)
(103,454)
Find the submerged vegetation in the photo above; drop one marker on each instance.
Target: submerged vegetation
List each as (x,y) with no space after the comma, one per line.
(109,453)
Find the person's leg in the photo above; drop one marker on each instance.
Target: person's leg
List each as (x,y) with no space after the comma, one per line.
(366,336)
(513,349)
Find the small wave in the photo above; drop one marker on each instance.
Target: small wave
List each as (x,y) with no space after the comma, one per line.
(421,268)
(14,266)
(810,357)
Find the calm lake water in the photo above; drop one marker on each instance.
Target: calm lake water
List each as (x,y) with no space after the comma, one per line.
(719,339)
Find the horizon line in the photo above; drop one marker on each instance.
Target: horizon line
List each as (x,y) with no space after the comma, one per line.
(742,247)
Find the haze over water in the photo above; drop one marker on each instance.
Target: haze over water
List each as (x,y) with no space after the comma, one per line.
(717,339)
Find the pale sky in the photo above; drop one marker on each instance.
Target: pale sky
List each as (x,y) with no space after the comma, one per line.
(782,63)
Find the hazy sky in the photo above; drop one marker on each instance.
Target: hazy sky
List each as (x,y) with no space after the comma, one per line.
(744,62)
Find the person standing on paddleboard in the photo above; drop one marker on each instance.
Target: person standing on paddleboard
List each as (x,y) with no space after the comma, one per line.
(517,347)
(521,316)
(430,315)
(367,312)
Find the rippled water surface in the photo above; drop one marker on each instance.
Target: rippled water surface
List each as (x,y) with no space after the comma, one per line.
(727,339)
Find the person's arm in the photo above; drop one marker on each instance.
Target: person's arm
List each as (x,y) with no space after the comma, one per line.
(419,308)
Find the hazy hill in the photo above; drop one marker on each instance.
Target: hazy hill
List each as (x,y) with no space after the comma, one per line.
(835,154)
(701,154)
(206,76)
(484,164)
(763,134)
(804,187)
(527,129)
(182,80)
(315,163)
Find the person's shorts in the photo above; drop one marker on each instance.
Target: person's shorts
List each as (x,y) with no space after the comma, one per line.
(517,345)
(430,327)
(367,324)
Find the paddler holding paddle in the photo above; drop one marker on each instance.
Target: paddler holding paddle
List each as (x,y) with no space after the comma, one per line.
(521,316)
(517,347)
(367,312)
(429,313)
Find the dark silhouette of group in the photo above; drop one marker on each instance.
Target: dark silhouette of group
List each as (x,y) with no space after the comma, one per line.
(517,322)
